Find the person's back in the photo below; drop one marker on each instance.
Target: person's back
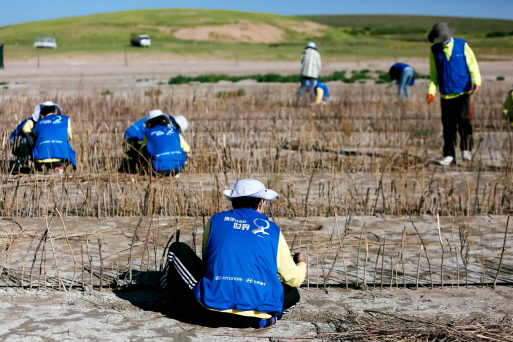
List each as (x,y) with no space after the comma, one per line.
(311,62)
(53,133)
(162,144)
(241,263)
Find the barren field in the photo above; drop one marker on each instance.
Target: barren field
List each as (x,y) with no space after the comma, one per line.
(395,242)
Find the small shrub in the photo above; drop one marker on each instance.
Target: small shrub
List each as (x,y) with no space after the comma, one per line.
(500,78)
(6,87)
(4,83)
(153,92)
(107,92)
(139,80)
(230,94)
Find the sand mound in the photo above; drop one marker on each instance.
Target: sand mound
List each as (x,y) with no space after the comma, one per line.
(309,27)
(243,31)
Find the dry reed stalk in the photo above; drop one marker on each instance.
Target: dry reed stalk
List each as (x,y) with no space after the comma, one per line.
(365,265)
(443,252)
(502,253)
(418,267)
(358,258)
(383,262)
(101,263)
(376,267)
(308,267)
(132,248)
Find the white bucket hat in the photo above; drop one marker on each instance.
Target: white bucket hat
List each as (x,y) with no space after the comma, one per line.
(154,113)
(250,188)
(182,122)
(312,45)
(37,110)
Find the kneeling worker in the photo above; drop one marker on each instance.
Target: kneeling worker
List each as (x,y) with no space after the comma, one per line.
(321,91)
(164,144)
(243,251)
(53,134)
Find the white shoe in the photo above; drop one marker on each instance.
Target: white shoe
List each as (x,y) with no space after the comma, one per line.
(466,155)
(446,161)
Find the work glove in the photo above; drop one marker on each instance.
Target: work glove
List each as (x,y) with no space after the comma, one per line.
(474,90)
(430,98)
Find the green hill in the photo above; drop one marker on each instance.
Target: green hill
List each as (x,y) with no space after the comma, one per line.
(219,34)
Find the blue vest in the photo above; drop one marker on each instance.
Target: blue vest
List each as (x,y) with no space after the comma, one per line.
(324,88)
(241,259)
(453,74)
(17,131)
(136,131)
(52,139)
(164,148)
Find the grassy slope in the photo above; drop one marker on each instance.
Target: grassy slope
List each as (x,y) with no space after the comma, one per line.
(110,32)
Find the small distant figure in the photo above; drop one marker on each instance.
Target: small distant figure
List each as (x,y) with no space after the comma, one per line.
(507,109)
(454,69)
(310,67)
(320,89)
(164,144)
(52,131)
(1,55)
(404,76)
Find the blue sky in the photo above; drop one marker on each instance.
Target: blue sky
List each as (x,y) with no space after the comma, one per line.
(19,11)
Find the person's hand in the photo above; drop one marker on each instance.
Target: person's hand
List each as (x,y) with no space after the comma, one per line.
(474,90)
(430,98)
(298,257)
(504,113)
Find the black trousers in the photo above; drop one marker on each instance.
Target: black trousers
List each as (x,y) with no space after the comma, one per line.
(183,271)
(457,117)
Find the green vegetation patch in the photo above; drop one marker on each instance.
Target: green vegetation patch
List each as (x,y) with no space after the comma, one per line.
(231,94)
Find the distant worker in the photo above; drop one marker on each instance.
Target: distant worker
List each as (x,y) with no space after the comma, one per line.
(404,76)
(236,284)
(52,131)
(507,109)
(1,55)
(310,67)
(453,67)
(134,137)
(320,89)
(164,144)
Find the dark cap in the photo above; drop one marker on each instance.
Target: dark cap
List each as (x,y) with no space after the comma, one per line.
(440,33)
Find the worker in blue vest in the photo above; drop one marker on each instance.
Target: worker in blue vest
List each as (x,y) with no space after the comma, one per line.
(22,139)
(52,149)
(404,76)
(454,69)
(162,144)
(236,283)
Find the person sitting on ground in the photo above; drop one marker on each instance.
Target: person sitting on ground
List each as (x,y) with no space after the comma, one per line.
(310,67)
(53,134)
(236,283)
(507,109)
(164,144)
(453,68)
(134,137)
(320,89)
(404,76)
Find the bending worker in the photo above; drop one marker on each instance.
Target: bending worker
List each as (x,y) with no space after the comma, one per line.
(453,67)
(310,67)
(164,144)
(22,138)
(320,89)
(53,134)
(507,109)
(404,76)
(243,251)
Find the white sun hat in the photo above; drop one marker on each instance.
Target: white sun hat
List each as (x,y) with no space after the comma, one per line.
(312,45)
(154,113)
(182,122)
(250,188)
(37,110)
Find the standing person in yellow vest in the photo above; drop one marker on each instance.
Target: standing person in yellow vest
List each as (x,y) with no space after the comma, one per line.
(454,69)
(507,109)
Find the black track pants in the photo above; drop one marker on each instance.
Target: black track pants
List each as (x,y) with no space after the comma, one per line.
(457,117)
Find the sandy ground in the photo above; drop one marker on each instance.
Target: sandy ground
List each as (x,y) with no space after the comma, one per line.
(100,73)
(140,314)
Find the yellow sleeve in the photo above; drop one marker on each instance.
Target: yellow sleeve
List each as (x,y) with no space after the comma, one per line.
(206,233)
(433,75)
(70,132)
(473,68)
(27,127)
(185,147)
(319,94)
(293,275)
(508,105)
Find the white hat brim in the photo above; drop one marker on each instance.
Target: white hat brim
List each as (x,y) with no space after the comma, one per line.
(37,110)
(266,194)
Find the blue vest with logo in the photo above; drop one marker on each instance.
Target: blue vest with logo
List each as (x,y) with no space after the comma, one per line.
(324,88)
(400,69)
(136,131)
(52,139)
(453,74)
(164,148)
(17,131)
(241,259)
